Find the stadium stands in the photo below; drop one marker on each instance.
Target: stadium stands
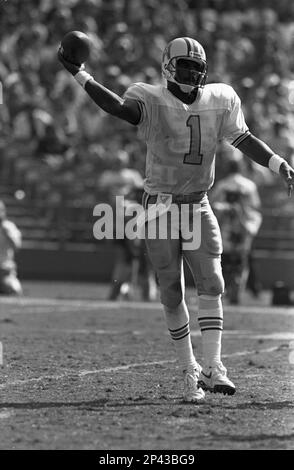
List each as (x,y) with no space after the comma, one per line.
(55,144)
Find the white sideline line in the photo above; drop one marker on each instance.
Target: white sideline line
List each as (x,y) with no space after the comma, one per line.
(84,373)
(81,331)
(115,369)
(245,353)
(41,301)
(129,366)
(117,305)
(282,335)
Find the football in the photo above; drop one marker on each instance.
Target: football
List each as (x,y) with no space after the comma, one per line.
(76,47)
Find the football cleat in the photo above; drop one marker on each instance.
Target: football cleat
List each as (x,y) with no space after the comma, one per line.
(192,392)
(215,380)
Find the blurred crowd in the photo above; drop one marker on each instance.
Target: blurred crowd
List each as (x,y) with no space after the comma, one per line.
(55,144)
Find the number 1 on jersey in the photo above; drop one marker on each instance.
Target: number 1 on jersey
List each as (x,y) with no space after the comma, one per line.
(194,157)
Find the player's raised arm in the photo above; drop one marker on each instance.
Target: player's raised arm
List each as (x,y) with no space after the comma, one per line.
(110,102)
(261,153)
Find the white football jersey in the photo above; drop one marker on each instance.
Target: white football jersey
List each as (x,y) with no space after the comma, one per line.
(181,139)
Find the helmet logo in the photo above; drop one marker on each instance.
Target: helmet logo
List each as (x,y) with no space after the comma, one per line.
(193,54)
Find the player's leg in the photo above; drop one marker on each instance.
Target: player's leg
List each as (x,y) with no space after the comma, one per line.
(166,258)
(122,270)
(205,265)
(227,270)
(236,285)
(147,279)
(244,273)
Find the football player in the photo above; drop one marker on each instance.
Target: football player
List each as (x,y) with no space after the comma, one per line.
(10,242)
(181,122)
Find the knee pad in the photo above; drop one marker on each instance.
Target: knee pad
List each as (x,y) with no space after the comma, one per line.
(213,285)
(170,285)
(166,259)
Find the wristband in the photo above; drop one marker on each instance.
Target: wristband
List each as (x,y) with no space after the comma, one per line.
(275,162)
(83,77)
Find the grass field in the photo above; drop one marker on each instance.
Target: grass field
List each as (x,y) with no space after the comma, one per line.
(83,373)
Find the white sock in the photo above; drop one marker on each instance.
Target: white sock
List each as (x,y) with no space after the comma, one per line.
(210,318)
(177,320)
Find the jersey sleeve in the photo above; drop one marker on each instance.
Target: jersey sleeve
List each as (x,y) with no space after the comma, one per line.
(137,92)
(235,128)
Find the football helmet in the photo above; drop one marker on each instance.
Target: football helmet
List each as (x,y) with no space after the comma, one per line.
(177,56)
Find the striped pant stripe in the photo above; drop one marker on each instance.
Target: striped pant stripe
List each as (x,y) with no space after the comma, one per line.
(213,328)
(211,323)
(180,333)
(181,337)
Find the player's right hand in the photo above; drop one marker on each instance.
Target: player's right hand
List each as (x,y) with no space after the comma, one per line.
(69,66)
(287,173)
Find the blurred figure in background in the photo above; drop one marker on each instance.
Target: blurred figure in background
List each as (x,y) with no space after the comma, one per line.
(237,206)
(132,275)
(10,241)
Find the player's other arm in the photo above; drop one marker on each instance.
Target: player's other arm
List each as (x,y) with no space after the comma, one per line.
(261,153)
(110,102)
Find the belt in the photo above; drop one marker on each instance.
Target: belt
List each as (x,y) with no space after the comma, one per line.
(177,198)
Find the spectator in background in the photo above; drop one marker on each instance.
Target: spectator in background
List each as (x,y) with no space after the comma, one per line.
(236,202)
(254,42)
(132,274)
(10,241)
